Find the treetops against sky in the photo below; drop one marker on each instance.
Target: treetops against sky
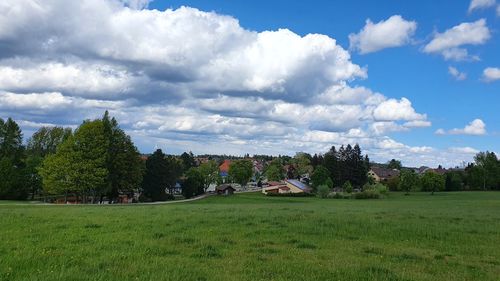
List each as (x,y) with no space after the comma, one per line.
(412,80)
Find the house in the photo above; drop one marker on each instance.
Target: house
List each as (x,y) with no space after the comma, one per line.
(224,168)
(289,186)
(382,174)
(225,189)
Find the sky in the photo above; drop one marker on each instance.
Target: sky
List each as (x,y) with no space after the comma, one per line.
(415,80)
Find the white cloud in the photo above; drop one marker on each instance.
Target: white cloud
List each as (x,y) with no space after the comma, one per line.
(189,79)
(137,4)
(393,32)
(73,77)
(459,76)
(477,128)
(392,110)
(463,150)
(449,42)
(491,74)
(498,10)
(481,4)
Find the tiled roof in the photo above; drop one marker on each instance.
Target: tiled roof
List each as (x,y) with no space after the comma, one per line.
(298,184)
(224,167)
(385,173)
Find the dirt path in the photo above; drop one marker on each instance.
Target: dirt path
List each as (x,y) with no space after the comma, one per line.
(31,203)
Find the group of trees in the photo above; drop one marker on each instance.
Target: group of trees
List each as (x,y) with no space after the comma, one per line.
(410,181)
(347,165)
(13,168)
(483,174)
(97,160)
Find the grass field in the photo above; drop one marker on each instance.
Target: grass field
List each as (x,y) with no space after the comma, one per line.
(449,236)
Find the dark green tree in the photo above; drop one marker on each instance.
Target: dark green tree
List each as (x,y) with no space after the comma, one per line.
(408,181)
(241,171)
(320,176)
(187,161)
(193,184)
(125,168)
(274,171)
(394,164)
(432,182)
(12,165)
(46,140)
(156,179)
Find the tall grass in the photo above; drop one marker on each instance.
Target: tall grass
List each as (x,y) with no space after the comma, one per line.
(449,236)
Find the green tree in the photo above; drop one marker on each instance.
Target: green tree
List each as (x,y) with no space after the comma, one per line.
(79,164)
(241,171)
(323,191)
(394,164)
(485,173)
(408,181)
(123,162)
(193,184)
(156,177)
(12,165)
(320,176)
(42,143)
(302,163)
(432,182)
(209,172)
(453,181)
(347,187)
(46,140)
(274,171)
(187,161)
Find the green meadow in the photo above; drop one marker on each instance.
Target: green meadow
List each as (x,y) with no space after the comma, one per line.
(448,236)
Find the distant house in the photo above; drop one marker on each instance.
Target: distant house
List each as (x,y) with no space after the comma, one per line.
(439,170)
(382,174)
(289,186)
(225,189)
(224,169)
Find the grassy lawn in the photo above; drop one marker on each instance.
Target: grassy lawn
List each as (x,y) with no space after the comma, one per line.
(449,236)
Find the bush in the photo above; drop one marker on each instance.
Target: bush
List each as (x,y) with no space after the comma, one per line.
(382,189)
(323,191)
(367,194)
(347,187)
(339,195)
(303,194)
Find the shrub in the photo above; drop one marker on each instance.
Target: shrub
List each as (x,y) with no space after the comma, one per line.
(303,194)
(323,191)
(339,195)
(367,194)
(347,187)
(382,189)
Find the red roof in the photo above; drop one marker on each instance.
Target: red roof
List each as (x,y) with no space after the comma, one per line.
(224,167)
(274,183)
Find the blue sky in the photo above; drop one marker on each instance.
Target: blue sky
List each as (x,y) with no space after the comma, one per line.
(396,72)
(419,82)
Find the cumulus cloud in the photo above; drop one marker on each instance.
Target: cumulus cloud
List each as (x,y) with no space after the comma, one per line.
(392,110)
(481,4)
(188,79)
(393,32)
(491,74)
(477,128)
(449,43)
(459,76)
(137,4)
